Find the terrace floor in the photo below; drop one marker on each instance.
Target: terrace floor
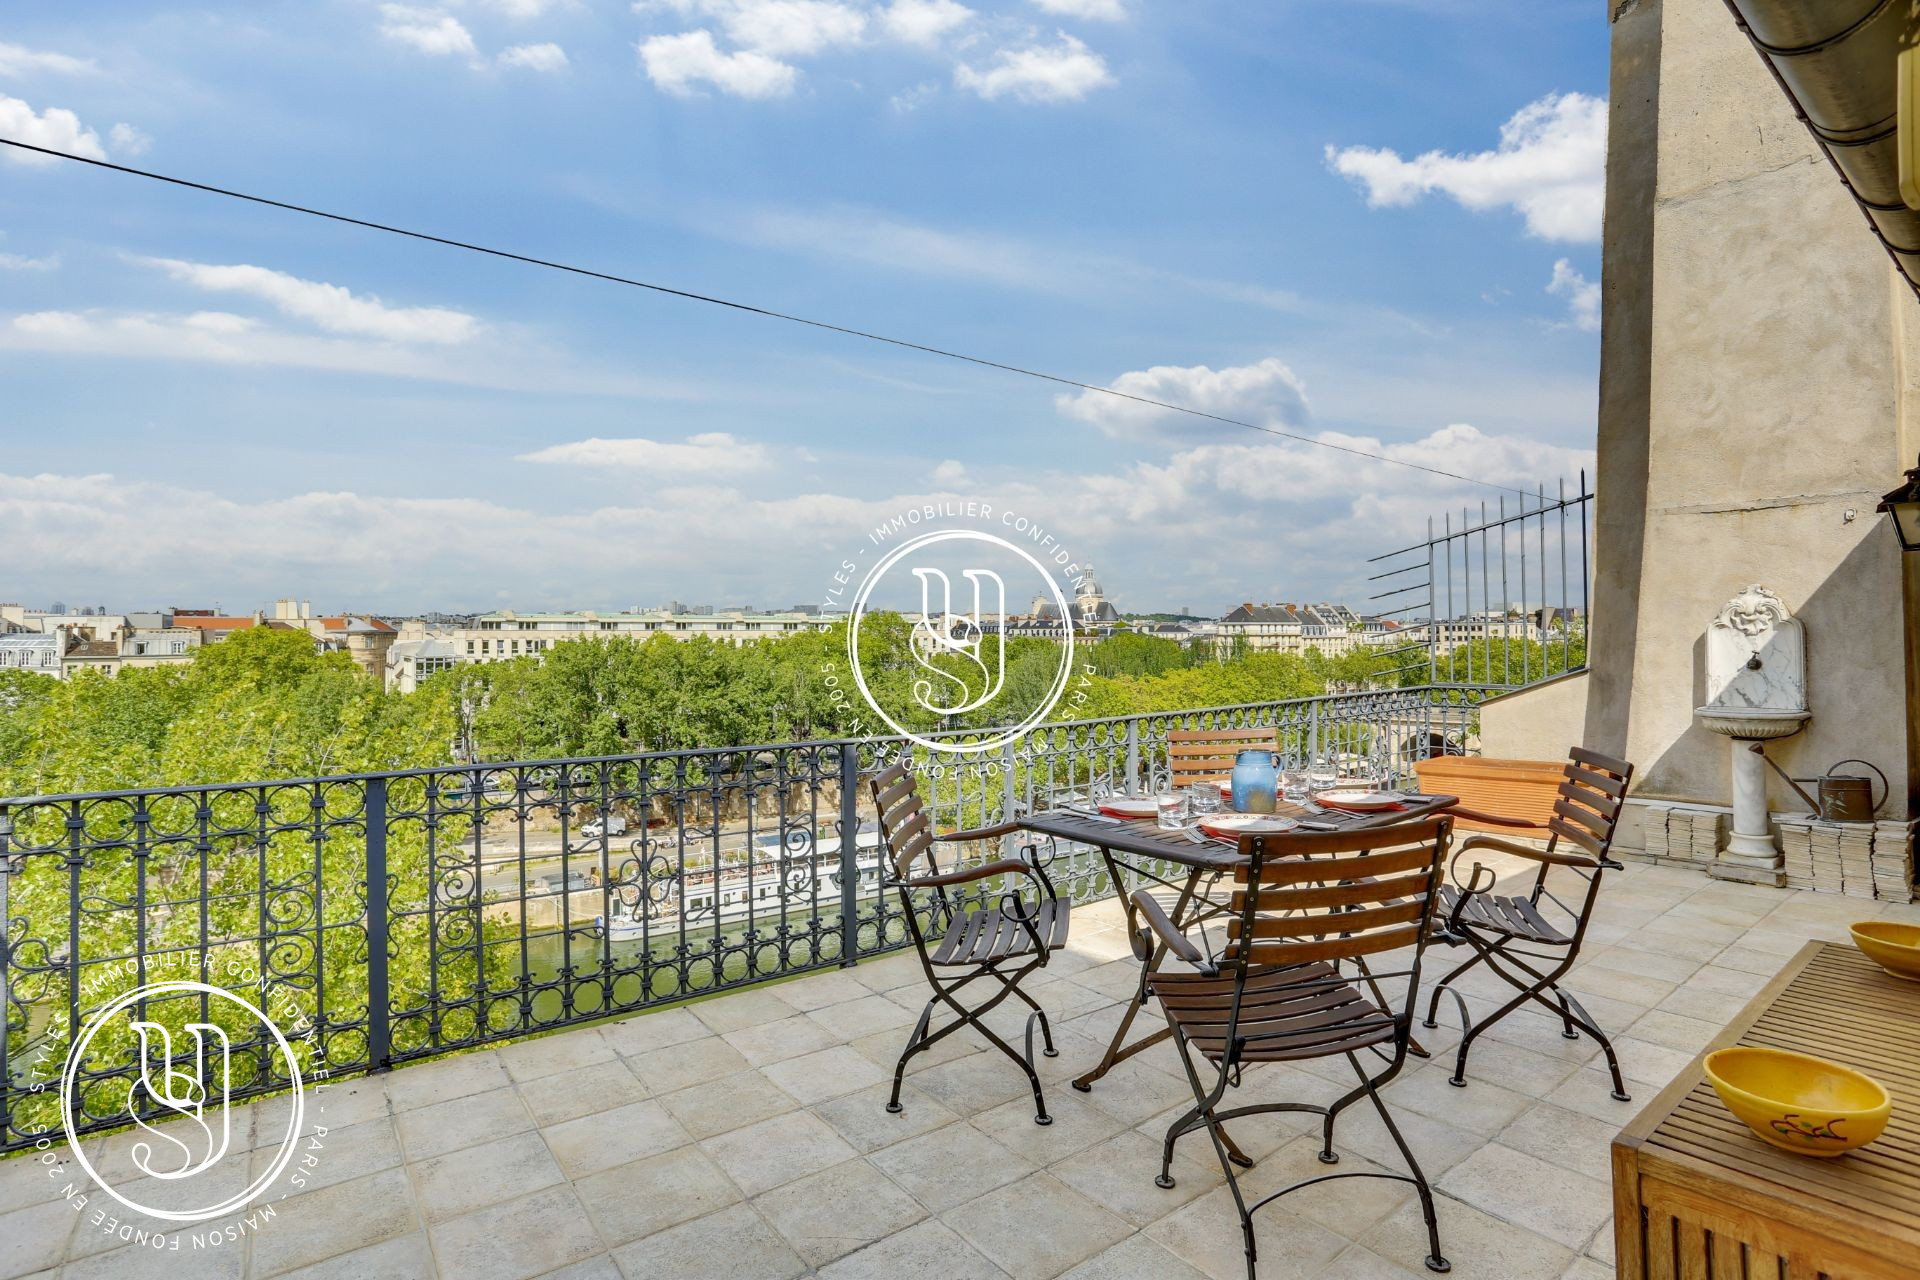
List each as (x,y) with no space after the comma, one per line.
(744,1137)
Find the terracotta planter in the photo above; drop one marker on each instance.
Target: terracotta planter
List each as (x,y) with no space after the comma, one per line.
(1510,788)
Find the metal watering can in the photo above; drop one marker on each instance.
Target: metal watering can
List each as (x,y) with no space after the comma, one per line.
(1844,797)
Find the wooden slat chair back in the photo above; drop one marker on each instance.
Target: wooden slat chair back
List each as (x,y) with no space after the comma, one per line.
(1532,940)
(1206,755)
(960,938)
(1295,982)
(1590,799)
(1336,897)
(905,828)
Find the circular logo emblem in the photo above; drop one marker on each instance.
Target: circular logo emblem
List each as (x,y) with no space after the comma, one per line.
(968,584)
(180,1099)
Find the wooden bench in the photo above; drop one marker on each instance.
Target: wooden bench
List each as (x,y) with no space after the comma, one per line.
(1696,1194)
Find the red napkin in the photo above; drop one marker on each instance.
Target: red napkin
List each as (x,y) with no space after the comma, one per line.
(1122,813)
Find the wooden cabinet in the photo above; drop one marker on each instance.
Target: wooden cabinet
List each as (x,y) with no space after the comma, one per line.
(1698,1197)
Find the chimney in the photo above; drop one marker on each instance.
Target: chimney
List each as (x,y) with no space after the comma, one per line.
(306,610)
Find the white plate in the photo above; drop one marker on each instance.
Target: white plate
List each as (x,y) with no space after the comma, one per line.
(1358,798)
(1129,807)
(1257,824)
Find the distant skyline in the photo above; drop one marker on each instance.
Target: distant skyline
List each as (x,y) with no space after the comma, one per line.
(1373,222)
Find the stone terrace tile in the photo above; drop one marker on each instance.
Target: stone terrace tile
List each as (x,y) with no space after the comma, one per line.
(950,1166)
(608,1138)
(863,1119)
(459,1076)
(582,1091)
(829,1214)
(735,1243)
(729,1103)
(741,1009)
(649,1031)
(1036,1228)
(480,1176)
(819,1077)
(463,1122)
(929,1251)
(551,1054)
(744,1137)
(774,1152)
(683,1065)
(638,1199)
(335,1220)
(518,1239)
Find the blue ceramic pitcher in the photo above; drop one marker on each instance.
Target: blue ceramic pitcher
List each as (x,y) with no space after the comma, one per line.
(1255,781)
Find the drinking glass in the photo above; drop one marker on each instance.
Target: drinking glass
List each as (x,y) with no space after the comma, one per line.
(1170,811)
(1294,783)
(1205,797)
(1322,773)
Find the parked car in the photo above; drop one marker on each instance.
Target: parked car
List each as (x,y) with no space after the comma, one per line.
(611,824)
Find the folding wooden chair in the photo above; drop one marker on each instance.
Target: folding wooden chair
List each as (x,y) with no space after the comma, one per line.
(1305,906)
(962,941)
(1512,935)
(1206,755)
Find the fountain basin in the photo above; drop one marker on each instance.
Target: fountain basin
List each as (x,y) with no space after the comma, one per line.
(1753,724)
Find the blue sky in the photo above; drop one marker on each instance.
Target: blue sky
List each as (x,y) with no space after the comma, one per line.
(1376,222)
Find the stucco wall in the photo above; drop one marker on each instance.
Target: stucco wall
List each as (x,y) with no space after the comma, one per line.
(1755,376)
(1539,723)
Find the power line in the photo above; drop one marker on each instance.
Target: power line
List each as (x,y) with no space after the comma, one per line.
(747,308)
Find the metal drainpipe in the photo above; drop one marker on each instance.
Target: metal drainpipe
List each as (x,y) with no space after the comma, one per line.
(1839,67)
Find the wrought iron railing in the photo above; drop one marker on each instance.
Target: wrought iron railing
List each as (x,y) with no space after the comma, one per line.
(1498,598)
(401,915)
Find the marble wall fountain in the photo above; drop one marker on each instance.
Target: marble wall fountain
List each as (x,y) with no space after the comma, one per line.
(1756,691)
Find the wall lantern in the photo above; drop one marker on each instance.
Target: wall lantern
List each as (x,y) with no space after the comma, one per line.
(1903,504)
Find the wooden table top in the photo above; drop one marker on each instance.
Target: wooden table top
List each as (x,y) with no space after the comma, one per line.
(1832,1002)
(1145,838)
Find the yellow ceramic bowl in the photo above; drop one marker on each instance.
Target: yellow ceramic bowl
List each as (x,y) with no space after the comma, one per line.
(1799,1103)
(1894,947)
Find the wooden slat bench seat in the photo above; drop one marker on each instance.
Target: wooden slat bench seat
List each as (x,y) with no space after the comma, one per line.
(1697,1194)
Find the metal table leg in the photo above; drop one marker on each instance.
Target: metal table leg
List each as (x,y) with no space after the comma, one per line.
(1118,1050)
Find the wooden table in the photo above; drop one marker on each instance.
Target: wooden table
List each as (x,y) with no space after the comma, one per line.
(1696,1194)
(1139,849)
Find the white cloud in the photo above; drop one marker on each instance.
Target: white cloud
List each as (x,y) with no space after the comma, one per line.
(1550,165)
(430,31)
(1062,72)
(1582,295)
(711,453)
(682,64)
(509,361)
(1266,393)
(1156,529)
(127,140)
(329,306)
(851,233)
(535,57)
(21,262)
(521,10)
(915,98)
(791,28)
(950,473)
(55,128)
(777,28)
(1096,10)
(862,235)
(923,22)
(18,60)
